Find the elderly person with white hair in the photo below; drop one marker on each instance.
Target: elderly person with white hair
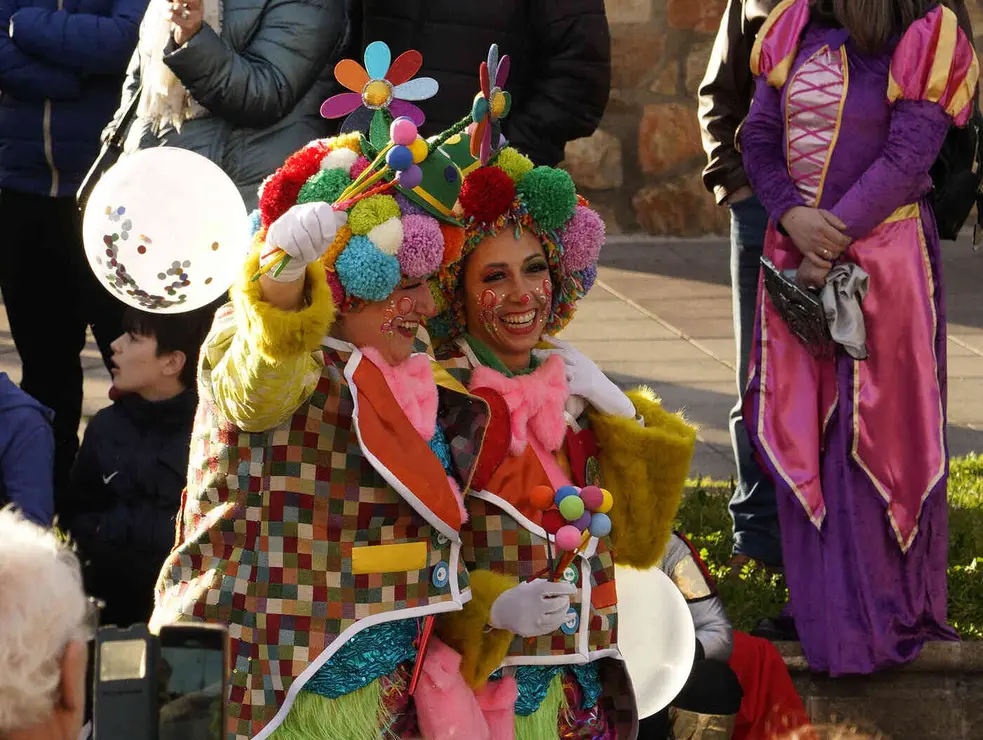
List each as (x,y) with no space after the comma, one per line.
(46,621)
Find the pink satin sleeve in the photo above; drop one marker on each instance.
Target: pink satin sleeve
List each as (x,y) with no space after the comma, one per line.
(934,61)
(778,41)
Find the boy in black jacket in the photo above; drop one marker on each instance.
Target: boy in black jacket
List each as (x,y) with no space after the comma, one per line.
(132,466)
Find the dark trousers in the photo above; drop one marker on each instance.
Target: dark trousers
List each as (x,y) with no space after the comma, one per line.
(712,688)
(51,296)
(752,507)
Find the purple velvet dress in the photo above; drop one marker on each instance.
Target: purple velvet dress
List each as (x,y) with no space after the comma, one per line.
(857,449)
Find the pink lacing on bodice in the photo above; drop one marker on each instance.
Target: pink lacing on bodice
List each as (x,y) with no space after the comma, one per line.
(812,110)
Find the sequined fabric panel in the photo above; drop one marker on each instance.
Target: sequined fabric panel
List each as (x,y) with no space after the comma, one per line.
(815,97)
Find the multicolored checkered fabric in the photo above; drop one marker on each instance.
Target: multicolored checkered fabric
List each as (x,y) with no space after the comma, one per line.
(268,528)
(493,539)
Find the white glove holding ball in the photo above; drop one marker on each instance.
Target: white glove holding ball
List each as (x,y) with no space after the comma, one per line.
(304,232)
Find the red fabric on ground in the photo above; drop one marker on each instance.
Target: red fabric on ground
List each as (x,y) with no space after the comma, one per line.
(771,707)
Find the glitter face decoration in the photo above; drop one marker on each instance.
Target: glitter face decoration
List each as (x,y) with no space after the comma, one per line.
(544,296)
(394,314)
(490,303)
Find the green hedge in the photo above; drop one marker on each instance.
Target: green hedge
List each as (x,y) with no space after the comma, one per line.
(754,593)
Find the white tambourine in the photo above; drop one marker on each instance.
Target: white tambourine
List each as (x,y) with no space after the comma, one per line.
(166,230)
(656,636)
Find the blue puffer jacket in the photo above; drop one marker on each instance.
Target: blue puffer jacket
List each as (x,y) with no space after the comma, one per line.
(61,67)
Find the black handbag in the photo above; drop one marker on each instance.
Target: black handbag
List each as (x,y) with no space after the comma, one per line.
(110,152)
(957,175)
(800,309)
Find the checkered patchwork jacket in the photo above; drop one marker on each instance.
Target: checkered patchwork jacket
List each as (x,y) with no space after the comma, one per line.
(298,536)
(645,468)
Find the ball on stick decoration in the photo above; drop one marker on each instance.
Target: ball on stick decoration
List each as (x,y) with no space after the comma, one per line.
(403,131)
(568,538)
(600,524)
(541,497)
(570,509)
(399,158)
(553,521)
(410,178)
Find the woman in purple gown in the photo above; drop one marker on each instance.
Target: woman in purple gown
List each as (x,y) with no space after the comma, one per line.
(852,103)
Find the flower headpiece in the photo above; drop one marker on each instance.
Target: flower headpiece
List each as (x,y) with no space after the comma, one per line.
(490,106)
(512,193)
(380,90)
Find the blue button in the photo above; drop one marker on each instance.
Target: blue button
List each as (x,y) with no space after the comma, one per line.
(572,624)
(441,574)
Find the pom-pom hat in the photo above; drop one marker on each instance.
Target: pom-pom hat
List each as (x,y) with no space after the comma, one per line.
(510,193)
(392,232)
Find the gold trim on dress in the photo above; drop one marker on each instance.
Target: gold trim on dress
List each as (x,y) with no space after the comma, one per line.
(945,51)
(909,211)
(845,70)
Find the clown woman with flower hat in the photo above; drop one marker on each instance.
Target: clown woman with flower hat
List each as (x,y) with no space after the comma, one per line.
(323,512)
(530,250)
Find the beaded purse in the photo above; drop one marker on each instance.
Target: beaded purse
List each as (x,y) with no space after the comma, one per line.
(800,309)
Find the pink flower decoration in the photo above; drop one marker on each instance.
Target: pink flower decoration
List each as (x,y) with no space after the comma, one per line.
(422,248)
(582,238)
(359,167)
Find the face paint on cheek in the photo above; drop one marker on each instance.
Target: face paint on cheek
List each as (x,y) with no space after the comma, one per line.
(544,296)
(405,306)
(387,320)
(489,301)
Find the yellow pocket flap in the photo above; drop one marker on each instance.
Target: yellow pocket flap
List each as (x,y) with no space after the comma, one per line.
(389,558)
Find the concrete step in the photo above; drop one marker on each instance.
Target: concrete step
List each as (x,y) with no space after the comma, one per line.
(938,696)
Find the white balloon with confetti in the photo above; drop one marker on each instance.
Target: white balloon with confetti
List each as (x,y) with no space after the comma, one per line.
(166,230)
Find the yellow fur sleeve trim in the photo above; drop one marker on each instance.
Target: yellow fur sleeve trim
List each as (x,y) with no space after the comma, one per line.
(279,334)
(482,649)
(260,363)
(645,469)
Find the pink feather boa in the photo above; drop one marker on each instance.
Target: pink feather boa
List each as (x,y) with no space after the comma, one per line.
(535,402)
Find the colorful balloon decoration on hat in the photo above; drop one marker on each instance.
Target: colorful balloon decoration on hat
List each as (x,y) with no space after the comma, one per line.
(165,230)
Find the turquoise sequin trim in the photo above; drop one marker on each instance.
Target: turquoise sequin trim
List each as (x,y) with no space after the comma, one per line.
(438,443)
(534,681)
(374,652)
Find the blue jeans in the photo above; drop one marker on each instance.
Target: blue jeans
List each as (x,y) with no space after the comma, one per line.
(752,506)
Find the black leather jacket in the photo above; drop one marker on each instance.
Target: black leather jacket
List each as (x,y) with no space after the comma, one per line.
(560,53)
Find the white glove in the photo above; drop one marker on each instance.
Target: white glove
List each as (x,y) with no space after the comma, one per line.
(304,232)
(532,608)
(586,380)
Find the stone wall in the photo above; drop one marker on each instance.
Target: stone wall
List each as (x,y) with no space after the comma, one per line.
(641,169)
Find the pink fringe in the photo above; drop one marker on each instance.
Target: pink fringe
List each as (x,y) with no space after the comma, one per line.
(535,402)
